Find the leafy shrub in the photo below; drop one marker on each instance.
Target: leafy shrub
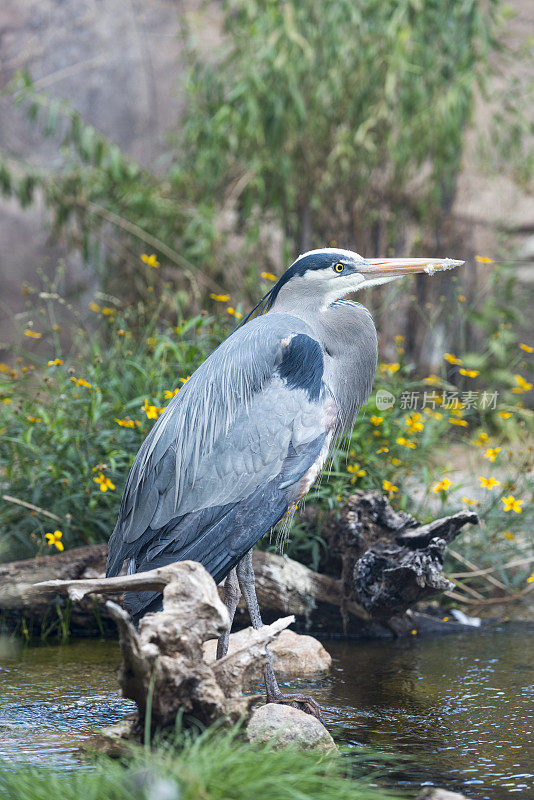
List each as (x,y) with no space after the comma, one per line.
(72,424)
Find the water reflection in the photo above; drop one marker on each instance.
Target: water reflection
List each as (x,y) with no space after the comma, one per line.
(461,708)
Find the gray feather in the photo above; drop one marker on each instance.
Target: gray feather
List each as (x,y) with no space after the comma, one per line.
(197,457)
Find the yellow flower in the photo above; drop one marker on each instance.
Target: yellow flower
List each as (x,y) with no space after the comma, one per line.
(530,579)
(433,414)
(482,439)
(103,482)
(461,298)
(390,367)
(508,535)
(55,362)
(374,420)
(6,400)
(152,412)
(383,450)
(492,453)
(34,419)
(150,260)
(413,422)
(389,487)
(461,422)
(488,483)
(184,380)
(32,334)
(94,306)
(441,486)
(167,394)
(54,539)
(399,339)
(505,414)
(484,260)
(107,311)
(396,462)
(470,373)
(122,332)
(451,358)
(469,501)
(268,276)
(355,470)
(127,423)
(406,442)
(433,380)
(234,313)
(522,385)
(81,382)
(526,347)
(220,298)
(511,504)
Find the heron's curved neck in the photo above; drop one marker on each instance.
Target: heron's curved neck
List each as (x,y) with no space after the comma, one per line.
(347,335)
(297,298)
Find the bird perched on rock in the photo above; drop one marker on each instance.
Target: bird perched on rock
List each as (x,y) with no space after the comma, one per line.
(245,438)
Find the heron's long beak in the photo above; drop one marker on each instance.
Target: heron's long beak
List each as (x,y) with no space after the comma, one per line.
(397,267)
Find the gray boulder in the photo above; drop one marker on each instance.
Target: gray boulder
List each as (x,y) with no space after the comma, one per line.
(294,655)
(288,726)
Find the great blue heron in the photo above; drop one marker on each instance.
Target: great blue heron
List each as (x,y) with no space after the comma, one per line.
(245,438)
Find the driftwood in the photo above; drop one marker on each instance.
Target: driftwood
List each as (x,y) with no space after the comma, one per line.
(380,564)
(163,670)
(163,666)
(385,559)
(283,586)
(37,612)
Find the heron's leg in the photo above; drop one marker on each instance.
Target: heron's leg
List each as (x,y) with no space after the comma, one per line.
(247,583)
(232,593)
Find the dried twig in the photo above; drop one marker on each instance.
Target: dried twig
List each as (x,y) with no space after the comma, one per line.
(488,601)
(31,507)
(490,579)
(470,590)
(38,510)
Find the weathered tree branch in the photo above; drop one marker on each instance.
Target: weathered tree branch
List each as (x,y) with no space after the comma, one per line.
(163,669)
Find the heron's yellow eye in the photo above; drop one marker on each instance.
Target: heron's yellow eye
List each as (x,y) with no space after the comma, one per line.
(339,267)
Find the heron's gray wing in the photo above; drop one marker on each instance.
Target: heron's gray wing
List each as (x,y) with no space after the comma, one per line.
(257,405)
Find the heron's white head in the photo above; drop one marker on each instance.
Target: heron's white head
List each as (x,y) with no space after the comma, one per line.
(320,277)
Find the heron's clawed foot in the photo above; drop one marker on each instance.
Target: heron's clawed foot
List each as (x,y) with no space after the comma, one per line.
(301,701)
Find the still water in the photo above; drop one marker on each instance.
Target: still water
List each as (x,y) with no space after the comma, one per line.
(458,710)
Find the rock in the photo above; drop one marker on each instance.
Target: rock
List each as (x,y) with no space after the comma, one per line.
(294,655)
(432,793)
(288,726)
(299,655)
(113,740)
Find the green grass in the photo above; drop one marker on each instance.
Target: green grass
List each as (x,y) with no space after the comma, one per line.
(214,765)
